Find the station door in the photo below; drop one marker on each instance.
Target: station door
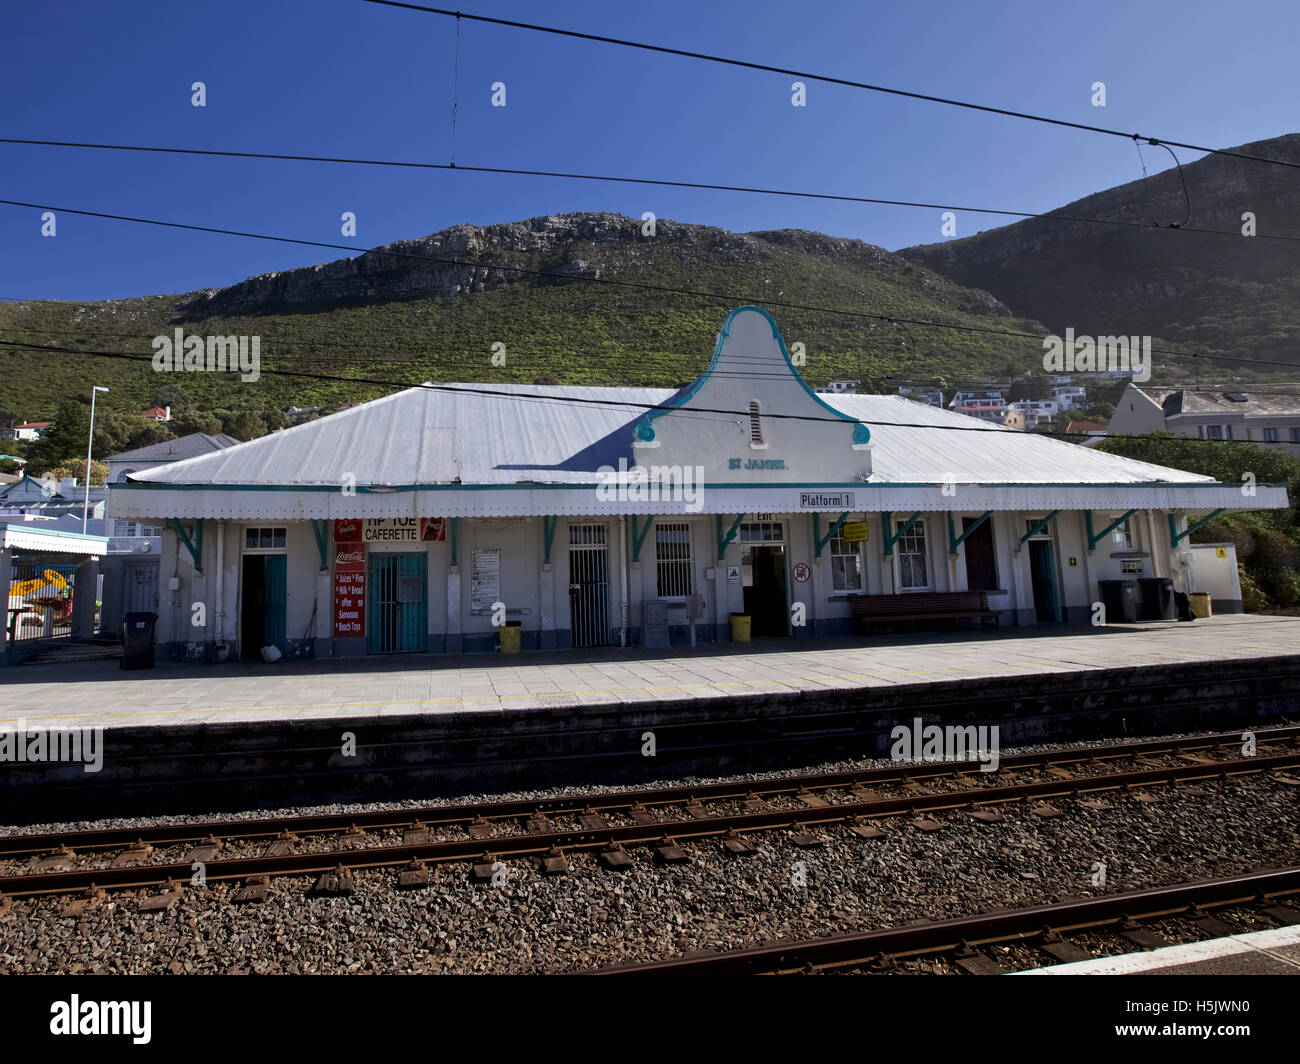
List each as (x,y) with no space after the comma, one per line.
(397,591)
(589,585)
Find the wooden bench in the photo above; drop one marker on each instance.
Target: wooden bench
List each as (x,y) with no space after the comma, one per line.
(921,606)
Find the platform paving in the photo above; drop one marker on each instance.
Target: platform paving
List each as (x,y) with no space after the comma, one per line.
(99,693)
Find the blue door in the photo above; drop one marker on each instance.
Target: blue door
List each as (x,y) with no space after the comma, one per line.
(397,610)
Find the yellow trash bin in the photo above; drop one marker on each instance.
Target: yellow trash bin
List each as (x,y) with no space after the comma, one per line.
(510,633)
(1200,603)
(740,627)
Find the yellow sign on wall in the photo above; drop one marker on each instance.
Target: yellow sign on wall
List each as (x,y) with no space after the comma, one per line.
(1220,552)
(854,532)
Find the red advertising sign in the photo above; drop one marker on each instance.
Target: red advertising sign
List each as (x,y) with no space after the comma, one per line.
(433,529)
(347,531)
(349,588)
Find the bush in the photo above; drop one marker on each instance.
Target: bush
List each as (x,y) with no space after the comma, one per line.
(1252,599)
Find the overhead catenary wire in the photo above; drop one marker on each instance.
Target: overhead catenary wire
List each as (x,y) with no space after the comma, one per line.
(829,79)
(514,171)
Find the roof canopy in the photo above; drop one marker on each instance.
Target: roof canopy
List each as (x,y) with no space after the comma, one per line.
(518,450)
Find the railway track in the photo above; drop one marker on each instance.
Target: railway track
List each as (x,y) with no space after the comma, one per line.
(409,839)
(967,939)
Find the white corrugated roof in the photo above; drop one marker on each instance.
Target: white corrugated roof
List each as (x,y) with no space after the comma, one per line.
(505,434)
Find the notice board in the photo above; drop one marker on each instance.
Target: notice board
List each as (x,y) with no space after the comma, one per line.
(485,578)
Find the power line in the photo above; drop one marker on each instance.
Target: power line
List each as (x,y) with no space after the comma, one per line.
(830,80)
(618,404)
(658,182)
(718,297)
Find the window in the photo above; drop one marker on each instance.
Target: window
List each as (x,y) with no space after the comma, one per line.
(1214,432)
(1122,537)
(761,532)
(673,559)
(846,566)
(586,535)
(981,561)
(1270,435)
(755,424)
(910,551)
(1295,435)
(263,540)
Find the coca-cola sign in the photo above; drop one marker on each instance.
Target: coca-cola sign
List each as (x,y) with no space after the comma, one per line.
(347,531)
(350,557)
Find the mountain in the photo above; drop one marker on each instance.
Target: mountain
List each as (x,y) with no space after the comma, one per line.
(1226,294)
(394,315)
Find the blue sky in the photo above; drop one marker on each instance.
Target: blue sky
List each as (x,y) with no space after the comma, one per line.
(343,77)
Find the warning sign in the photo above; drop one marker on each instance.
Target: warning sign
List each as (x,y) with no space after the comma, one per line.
(854,532)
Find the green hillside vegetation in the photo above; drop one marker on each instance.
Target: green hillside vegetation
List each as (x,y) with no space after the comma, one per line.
(1267,541)
(571,332)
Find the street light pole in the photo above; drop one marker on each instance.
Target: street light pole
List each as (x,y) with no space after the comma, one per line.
(90,445)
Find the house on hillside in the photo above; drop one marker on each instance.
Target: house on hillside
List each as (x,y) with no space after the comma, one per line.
(1270,419)
(31,430)
(157,413)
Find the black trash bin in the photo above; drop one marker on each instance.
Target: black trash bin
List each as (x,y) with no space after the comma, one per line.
(1157,598)
(1120,598)
(137,640)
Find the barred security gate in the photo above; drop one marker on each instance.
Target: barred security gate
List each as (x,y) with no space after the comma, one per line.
(39,599)
(397,603)
(588,586)
(142,589)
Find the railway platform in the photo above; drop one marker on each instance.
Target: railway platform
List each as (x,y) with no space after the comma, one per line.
(302,732)
(99,694)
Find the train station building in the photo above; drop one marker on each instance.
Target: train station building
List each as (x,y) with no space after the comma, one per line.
(428,520)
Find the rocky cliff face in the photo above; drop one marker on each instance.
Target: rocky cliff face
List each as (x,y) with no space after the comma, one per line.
(555,249)
(1226,292)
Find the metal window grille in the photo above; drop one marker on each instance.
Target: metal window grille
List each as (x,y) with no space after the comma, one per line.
(587,536)
(673,559)
(755,422)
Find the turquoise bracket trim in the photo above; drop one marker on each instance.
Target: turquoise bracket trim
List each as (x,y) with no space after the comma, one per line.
(453,539)
(319,528)
(1038,527)
(1096,537)
(725,539)
(1176,537)
(548,530)
(887,523)
(820,541)
(645,431)
(195,545)
(954,540)
(639,535)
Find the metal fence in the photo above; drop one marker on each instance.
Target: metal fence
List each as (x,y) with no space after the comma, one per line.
(40,600)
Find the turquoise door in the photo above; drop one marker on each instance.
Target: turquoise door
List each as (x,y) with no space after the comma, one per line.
(1042,566)
(273,610)
(397,610)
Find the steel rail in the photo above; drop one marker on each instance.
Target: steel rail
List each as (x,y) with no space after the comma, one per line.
(17,845)
(540,844)
(978,930)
